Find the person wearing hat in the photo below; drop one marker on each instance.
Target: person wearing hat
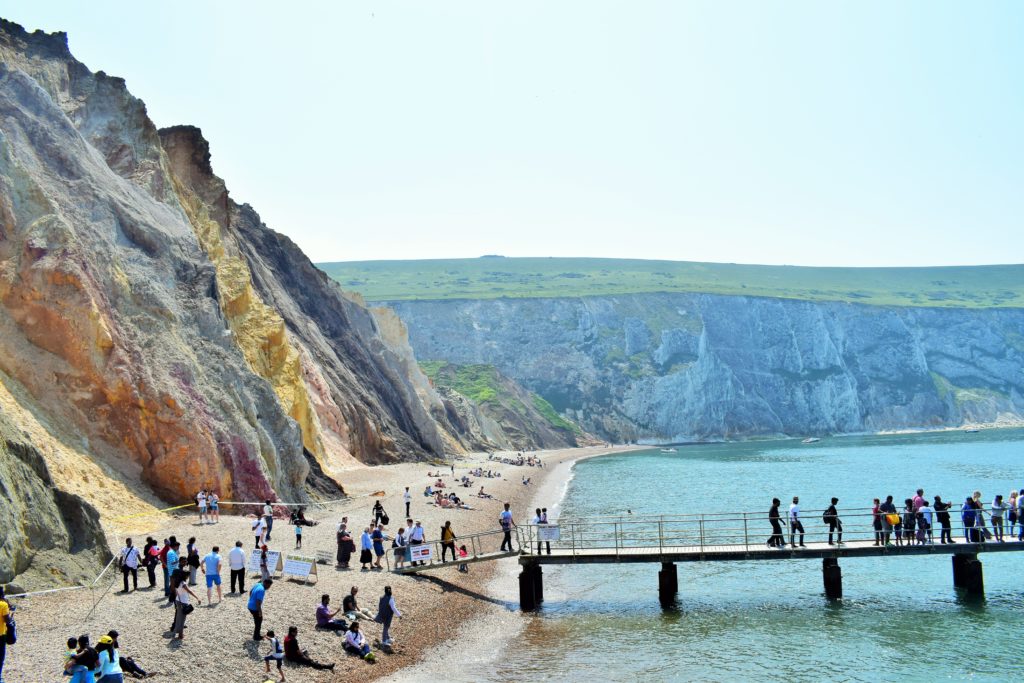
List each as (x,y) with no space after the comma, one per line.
(109,661)
(128,665)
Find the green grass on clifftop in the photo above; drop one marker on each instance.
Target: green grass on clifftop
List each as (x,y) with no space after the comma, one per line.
(495,277)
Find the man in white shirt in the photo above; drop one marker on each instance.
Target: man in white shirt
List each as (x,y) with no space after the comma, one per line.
(211,568)
(794,523)
(407,497)
(236,561)
(258,527)
(416,537)
(130,559)
(506,522)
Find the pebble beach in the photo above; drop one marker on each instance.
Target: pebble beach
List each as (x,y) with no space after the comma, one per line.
(441,608)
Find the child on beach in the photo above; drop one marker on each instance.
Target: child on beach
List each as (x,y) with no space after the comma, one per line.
(463,567)
(71,651)
(276,654)
(298,535)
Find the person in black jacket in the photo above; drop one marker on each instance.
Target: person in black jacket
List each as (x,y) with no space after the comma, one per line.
(775,540)
(831,517)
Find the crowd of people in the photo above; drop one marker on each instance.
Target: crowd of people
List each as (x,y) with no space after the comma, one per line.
(519,460)
(913,522)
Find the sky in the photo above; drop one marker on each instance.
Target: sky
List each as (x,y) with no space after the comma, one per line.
(811,133)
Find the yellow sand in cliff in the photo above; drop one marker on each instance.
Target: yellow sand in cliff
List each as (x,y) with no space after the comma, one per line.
(72,465)
(258,329)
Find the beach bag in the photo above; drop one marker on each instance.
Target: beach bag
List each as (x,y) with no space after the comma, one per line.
(892,518)
(986,533)
(384,519)
(188,609)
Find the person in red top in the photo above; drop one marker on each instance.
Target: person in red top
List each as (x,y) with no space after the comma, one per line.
(293,653)
(163,563)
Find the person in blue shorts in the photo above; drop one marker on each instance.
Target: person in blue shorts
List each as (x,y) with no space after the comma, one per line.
(211,569)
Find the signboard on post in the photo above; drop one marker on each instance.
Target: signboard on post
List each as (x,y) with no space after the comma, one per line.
(299,567)
(273,562)
(548,532)
(420,553)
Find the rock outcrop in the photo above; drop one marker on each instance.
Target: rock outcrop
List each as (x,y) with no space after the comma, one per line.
(155,335)
(676,367)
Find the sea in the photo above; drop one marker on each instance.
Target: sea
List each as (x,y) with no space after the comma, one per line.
(900,618)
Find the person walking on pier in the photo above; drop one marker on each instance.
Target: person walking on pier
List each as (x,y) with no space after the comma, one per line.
(447,541)
(890,518)
(942,514)
(795,526)
(506,521)
(969,518)
(544,521)
(998,510)
(909,522)
(876,521)
(924,523)
(1020,514)
(1011,512)
(776,540)
(831,517)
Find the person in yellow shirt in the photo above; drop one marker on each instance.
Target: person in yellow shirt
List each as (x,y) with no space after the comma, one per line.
(5,614)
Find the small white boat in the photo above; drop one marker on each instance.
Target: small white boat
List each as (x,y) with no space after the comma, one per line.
(972,430)
(668,450)
(811,439)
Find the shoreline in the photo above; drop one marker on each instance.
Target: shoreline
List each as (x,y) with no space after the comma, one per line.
(485,637)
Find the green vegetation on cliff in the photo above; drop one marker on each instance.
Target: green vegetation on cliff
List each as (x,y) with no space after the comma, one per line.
(496,277)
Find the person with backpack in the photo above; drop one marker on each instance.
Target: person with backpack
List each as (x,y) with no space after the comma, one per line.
(150,559)
(386,610)
(831,518)
(942,514)
(969,518)
(506,522)
(447,541)
(129,561)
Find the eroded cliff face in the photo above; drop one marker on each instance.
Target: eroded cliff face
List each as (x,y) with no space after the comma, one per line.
(680,367)
(155,336)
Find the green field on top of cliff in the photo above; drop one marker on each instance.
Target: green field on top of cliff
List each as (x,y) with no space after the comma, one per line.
(496,277)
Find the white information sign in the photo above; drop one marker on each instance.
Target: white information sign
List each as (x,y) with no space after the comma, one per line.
(299,567)
(273,561)
(548,532)
(420,553)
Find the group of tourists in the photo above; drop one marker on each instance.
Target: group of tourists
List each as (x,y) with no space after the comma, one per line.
(913,522)
(519,460)
(103,663)
(208,503)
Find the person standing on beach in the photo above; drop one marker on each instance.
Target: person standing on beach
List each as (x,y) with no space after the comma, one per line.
(182,609)
(268,518)
(831,517)
(164,552)
(236,563)
(506,522)
(150,559)
(776,540)
(256,598)
(214,513)
(378,537)
(365,549)
(386,610)
(795,525)
(192,559)
(201,504)
(416,537)
(407,497)
(5,618)
(129,560)
(211,569)
(173,563)
(258,528)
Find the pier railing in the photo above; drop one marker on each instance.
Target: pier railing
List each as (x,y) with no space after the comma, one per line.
(753,530)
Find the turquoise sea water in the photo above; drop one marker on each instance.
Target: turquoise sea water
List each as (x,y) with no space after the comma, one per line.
(900,619)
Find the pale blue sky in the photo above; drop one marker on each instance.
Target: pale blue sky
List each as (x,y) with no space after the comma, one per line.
(813,133)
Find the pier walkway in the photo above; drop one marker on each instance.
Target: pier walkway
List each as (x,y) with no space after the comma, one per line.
(726,537)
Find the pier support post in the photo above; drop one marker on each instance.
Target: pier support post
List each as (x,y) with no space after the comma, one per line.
(668,582)
(527,592)
(538,584)
(833,577)
(967,574)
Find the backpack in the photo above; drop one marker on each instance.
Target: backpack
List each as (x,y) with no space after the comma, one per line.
(826,517)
